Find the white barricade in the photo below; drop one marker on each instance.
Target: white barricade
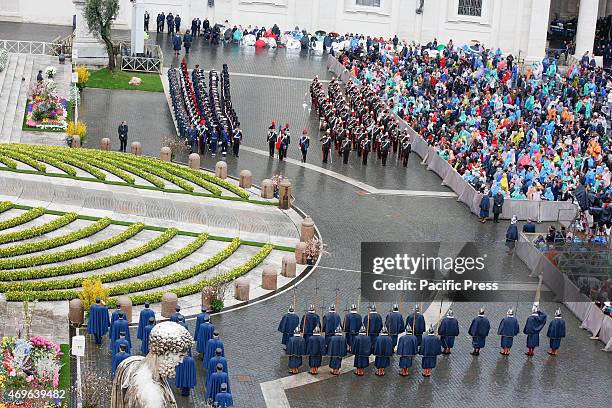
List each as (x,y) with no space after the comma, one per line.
(605,332)
(593,320)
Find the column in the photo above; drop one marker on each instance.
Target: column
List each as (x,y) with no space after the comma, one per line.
(86,49)
(585,32)
(137,32)
(538,28)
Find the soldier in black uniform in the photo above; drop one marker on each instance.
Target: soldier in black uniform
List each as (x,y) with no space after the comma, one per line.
(385,146)
(346,149)
(405,151)
(365,149)
(271,138)
(326,146)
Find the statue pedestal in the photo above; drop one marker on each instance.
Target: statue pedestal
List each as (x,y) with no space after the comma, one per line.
(86,49)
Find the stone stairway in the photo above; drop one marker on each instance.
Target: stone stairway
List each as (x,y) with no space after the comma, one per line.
(15,82)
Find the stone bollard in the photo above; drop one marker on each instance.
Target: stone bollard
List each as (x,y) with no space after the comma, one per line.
(194,161)
(169,302)
(126,306)
(208,295)
(136,148)
(76,141)
(284,195)
(267,189)
(300,253)
(246,179)
(221,169)
(269,278)
(241,289)
(105,144)
(307,229)
(288,266)
(76,312)
(165,154)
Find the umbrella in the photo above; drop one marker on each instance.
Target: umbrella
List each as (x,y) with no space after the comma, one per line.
(320,33)
(334,34)
(260,43)
(524,161)
(440,47)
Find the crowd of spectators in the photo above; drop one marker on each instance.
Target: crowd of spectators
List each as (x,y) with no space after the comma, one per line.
(533,133)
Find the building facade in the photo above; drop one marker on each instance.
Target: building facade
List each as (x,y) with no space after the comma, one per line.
(517,26)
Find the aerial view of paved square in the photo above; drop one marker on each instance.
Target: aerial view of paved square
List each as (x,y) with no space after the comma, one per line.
(305,203)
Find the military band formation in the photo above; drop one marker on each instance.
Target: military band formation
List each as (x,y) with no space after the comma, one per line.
(361,124)
(370,335)
(207,341)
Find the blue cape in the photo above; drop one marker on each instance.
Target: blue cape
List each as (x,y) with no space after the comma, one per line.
(186,373)
(395,323)
(143,320)
(98,320)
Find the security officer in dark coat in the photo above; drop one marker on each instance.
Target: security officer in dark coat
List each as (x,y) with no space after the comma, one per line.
(123,136)
(271,138)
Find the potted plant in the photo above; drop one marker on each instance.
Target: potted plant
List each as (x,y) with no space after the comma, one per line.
(314,248)
(50,71)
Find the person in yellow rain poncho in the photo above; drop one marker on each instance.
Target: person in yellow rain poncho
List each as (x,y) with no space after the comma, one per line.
(503,183)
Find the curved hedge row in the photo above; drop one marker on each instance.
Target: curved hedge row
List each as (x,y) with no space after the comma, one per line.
(22,157)
(156,171)
(112,276)
(50,243)
(5,205)
(77,162)
(39,229)
(190,176)
(87,265)
(45,158)
(8,162)
(155,297)
(22,218)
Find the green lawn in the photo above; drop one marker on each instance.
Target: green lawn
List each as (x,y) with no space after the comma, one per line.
(69,118)
(119,80)
(65,375)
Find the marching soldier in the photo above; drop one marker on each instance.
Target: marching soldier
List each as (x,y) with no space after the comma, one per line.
(315,348)
(430,349)
(533,326)
(417,322)
(556,331)
(405,151)
(271,138)
(383,350)
(326,145)
(309,322)
(373,324)
(304,144)
(336,351)
(508,329)
(346,149)
(448,330)
(362,349)
(365,150)
(479,330)
(331,320)
(352,324)
(394,322)
(384,149)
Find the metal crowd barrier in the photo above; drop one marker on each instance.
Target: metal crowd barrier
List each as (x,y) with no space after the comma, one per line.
(31,47)
(540,211)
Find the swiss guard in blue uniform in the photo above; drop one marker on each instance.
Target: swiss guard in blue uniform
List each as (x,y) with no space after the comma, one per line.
(533,326)
(186,374)
(362,350)
(556,331)
(383,350)
(336,350)
(205,333)
(201,318)
(296,348)
(212,345)
(143,320)
(352,324)
(315,348)
(121,355)
(417,322)
(309,321)
(373,324)
(98,320)
(331,320)
(224,399)
(121,340)
(212,365)
(479,330)
(217,378)
(448,330)
(288,324)
(394,322)
(175,316)
(407,348)
(120,325)
(431,346)
(115,315)
(144,346)
(508,329)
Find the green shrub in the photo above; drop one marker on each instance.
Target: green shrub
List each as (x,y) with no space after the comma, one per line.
(94,263)
(41,157)
(22,157)
(38,230)
(155,170)
(5,205)
(8,162)
(22,218)
(112,276)
(30,247)
(77,162)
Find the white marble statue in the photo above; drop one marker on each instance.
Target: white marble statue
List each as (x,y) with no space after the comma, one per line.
(140,382)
